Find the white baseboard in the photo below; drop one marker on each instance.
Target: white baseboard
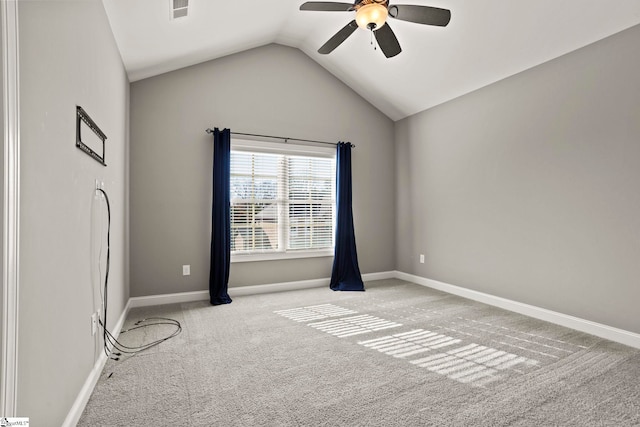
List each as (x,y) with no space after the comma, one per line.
(238,291)
(277,287)
(85,392)
(383,275)
(151,300)
(603,331)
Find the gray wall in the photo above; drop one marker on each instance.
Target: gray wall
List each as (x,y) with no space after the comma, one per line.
(528,189)
(1,194)
(68,57)
(272,90)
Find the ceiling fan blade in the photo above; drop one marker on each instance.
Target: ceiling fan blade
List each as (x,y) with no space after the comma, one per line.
(338,38)
(420,14)
(326,6)
(387,41)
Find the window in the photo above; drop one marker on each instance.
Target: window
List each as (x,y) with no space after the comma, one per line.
(282,201)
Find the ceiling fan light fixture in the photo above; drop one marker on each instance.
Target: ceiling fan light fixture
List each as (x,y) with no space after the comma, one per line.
(371,16)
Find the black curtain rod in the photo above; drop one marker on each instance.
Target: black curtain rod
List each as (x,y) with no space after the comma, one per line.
(286,139)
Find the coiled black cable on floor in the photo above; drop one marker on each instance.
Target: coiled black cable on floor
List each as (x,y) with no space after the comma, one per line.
(110,342)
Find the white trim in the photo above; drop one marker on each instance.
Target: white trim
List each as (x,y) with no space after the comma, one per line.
(382,275)
(233,292)
(277,287)
(151,300)
(240,144)
(238,291)
(272,256)
(603,331)
(74,414)
(11,209)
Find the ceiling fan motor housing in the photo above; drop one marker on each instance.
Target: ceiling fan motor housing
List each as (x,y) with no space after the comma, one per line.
(371,14)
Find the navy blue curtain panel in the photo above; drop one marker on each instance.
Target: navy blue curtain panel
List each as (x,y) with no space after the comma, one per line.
(345,275)
(220,219)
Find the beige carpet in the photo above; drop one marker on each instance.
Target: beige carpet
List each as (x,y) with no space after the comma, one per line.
(396,355)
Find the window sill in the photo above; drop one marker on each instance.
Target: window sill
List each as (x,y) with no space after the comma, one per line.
(274,256)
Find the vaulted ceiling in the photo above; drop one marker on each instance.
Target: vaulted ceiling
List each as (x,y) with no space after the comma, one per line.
(485,41)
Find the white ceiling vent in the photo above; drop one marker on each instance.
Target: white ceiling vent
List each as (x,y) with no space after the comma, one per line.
(179,8)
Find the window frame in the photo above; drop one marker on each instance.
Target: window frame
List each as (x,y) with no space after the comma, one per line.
(291,149)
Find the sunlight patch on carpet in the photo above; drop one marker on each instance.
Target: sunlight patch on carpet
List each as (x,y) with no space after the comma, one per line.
(473,364)
(356,325)
(467,363)
(315,312)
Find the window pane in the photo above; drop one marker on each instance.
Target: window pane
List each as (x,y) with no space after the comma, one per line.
(241,187)
(322,212)
(241,163)
(299,237)
(322,236)
(267,165)
(319,167)
(299,213)
(247,238)
(254,226)
(311,226)
(321,190)
(265,189)
(298,189)
(254,204)
(311,180)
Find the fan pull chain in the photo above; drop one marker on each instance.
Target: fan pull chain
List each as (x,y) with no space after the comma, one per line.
(375,45)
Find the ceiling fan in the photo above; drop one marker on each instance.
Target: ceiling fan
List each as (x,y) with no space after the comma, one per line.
(372,15)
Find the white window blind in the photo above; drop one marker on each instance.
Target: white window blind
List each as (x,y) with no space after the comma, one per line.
(282,200)
(311,202)
(254,201)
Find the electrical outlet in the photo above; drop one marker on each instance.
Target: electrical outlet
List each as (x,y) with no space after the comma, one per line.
(421,258)
(94,323)
(99,185)
(186,270)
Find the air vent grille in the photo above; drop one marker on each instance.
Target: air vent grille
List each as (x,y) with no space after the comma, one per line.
(179,8)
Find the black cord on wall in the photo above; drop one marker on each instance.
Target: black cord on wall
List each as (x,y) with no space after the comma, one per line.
(110,342)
